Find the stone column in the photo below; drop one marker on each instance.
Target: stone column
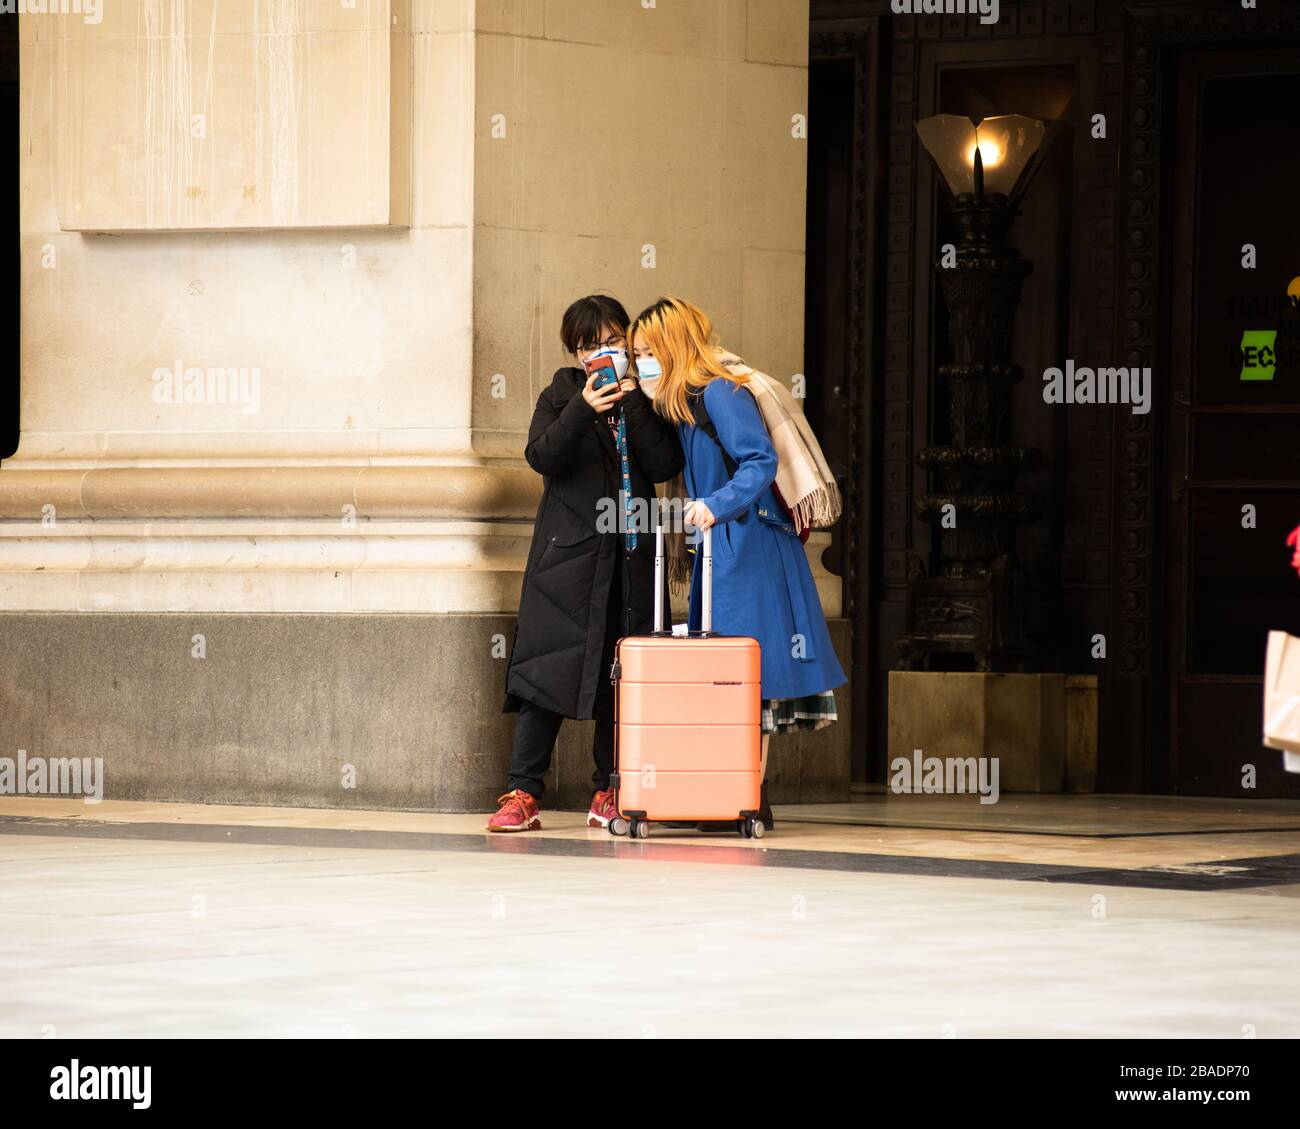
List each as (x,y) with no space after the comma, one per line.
(292,279)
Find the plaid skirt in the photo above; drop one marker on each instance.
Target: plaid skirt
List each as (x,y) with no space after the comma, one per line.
(812,711)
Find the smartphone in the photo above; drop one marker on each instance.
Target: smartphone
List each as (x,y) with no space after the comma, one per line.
(604,366)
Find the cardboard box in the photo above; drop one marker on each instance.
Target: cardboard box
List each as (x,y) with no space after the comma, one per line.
(1282,697)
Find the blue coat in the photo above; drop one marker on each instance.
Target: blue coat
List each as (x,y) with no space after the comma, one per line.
(762,585)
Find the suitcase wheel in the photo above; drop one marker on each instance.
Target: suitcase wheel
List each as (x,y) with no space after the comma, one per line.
(751,827)
(618,826)
(639,829)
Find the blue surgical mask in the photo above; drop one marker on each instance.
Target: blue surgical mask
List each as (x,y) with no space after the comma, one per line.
(648,368)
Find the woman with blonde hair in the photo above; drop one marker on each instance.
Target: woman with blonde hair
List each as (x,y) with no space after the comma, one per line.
(762,585)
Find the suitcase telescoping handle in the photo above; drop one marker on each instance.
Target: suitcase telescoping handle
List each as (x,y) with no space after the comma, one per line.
(706,594)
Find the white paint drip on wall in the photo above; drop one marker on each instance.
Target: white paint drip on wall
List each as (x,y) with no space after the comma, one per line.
(167,142)
(162,137)
(365,116)
(278,50)
(209,110)
(286,96)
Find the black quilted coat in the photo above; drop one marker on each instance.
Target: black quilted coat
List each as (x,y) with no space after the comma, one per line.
(555,661)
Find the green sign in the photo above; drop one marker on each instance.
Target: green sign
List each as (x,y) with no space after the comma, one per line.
(1258,354)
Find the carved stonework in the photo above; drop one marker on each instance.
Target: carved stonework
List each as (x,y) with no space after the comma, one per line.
(1149,28)
(854,41)
(976,508)
(979,616)
(981,294)
(894,430)
(1108,575)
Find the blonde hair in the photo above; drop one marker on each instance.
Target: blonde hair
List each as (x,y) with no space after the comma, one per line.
(680,336)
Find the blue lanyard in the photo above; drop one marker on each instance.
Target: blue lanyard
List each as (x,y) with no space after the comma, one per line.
(629,536)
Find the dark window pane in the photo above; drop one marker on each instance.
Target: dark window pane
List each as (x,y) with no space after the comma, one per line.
(1250,135)
(1241,582)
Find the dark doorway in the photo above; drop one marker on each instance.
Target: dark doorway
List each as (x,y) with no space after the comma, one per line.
(828,328)
(9,207)
(827,345)
(838,320)
(1234,451)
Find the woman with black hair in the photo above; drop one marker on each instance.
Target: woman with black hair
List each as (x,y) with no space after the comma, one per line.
(589,580)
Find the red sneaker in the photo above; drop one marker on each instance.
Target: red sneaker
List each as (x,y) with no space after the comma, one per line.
(518,813)
(602,809)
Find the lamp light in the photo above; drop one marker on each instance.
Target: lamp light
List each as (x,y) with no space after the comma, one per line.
(994,156)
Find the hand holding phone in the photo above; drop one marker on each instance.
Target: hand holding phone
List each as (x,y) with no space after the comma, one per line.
(602,390)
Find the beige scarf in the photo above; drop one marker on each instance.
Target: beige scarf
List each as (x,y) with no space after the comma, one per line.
(803,477)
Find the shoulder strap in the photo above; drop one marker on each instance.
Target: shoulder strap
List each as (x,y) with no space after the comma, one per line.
(705,424)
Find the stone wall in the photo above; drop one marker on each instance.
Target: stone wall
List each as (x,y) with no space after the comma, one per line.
(292,280)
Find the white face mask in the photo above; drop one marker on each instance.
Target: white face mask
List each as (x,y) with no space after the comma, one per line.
(619,357)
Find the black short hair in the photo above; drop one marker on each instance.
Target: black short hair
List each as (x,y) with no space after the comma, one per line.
(584,322)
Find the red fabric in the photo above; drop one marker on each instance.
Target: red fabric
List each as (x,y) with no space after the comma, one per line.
(1294,542)
(803,533)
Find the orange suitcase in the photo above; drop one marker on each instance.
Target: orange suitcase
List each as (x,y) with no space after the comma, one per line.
(687,741)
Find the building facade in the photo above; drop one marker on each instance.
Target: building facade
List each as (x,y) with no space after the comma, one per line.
(292,276)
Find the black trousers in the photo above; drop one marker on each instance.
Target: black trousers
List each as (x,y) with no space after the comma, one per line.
(536,728)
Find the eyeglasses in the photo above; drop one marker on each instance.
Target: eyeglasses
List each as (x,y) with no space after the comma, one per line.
(616,342)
